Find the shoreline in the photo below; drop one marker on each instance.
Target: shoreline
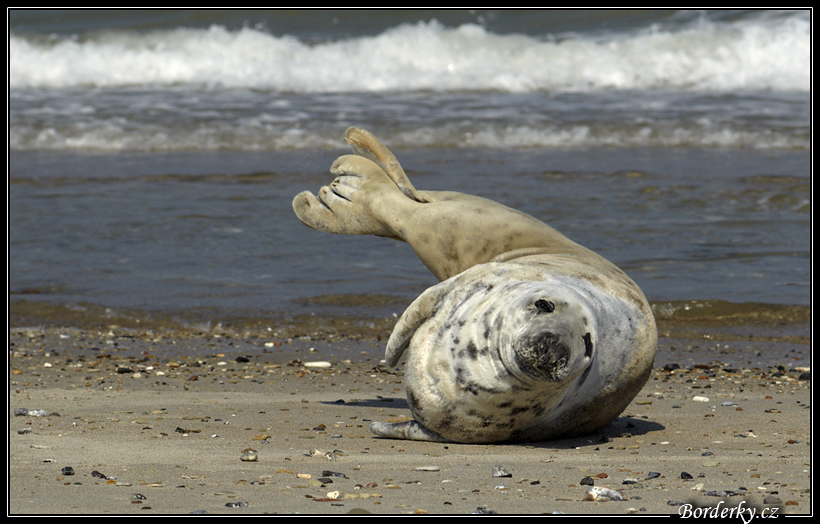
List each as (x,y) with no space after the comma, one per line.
(157,424)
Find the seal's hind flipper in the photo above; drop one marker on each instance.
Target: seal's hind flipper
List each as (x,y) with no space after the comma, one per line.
(355,203)
(365,144)
(410,430)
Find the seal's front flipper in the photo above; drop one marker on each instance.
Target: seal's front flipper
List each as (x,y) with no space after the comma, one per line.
(410,430)
(416,314)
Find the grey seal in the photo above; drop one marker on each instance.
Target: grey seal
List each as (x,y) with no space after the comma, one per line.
(528,336)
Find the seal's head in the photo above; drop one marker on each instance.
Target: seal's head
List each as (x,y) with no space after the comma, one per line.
(553,336)
(497,325)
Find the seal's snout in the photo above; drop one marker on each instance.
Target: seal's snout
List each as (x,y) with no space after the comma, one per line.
(545,356)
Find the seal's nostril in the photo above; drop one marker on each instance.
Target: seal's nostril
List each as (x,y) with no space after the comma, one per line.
(587,345)
(544,306)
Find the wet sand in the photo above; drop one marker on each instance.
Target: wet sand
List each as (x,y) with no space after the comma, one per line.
(157,423)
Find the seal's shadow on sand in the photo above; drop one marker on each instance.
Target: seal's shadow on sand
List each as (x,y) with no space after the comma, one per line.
(620,429)
(379,402)
(618,432)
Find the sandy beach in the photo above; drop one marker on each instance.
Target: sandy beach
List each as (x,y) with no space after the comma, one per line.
(180,343)
(129,421)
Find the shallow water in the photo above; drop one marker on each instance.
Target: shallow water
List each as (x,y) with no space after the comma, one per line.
(138,184)
(175,231)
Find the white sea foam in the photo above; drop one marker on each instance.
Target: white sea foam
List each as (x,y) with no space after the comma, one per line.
(745,55)
(116,136)
(699,83)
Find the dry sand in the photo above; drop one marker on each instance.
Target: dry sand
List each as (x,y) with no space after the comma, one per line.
(156,424)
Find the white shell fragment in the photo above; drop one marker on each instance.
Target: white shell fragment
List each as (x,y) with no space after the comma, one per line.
(319,364)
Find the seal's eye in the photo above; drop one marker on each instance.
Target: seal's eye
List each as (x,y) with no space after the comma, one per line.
(544,306)
(587,345)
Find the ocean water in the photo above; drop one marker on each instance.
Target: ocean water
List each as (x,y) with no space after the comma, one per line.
(153,155)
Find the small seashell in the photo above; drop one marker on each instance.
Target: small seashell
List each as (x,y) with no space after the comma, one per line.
(698,398)
(319,453)
(333,494)
(597,494)
(428,468)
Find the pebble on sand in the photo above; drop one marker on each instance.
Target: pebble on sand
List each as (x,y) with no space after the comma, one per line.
(23,412)
(249,455)
(500,472)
